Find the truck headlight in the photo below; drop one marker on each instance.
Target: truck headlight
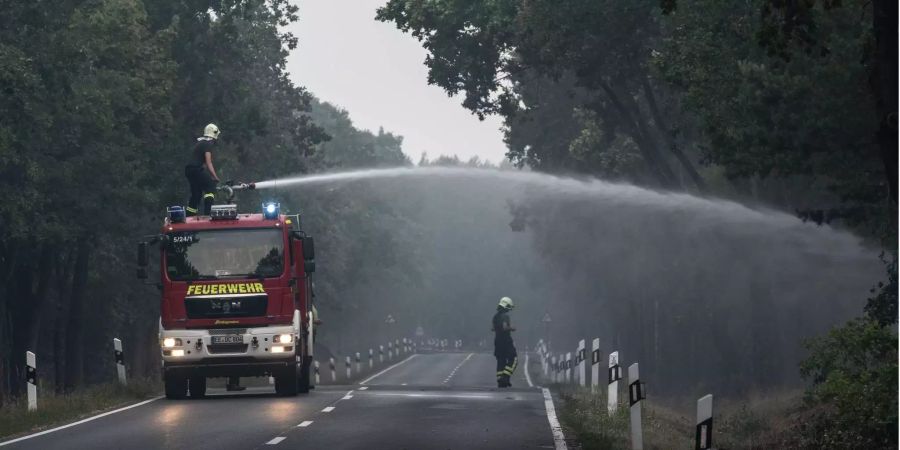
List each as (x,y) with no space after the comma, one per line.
(284,338)
(171,342)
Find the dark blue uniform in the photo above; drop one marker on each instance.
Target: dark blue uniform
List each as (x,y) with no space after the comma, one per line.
(504,350)
(203,186)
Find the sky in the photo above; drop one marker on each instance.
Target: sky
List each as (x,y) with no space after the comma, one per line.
(378,75)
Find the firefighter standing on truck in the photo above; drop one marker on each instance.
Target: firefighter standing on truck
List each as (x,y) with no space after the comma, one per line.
(504,349)
(201,173)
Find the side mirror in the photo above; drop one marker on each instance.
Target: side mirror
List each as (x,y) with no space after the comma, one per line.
(309,248)
(309,266)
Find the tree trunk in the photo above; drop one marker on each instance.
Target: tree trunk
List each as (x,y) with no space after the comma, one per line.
(60,320)
(670,139)
(39,309)
(655,162)
(75,331)
(884,86)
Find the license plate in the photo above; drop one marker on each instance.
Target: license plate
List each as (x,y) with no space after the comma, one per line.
(228,339)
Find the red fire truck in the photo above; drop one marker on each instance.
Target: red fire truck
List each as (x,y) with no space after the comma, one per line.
(236,298)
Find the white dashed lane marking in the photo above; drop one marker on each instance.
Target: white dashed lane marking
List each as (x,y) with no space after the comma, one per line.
(276,440)
(453,372)
(305,424)
(363,388)
(328,409)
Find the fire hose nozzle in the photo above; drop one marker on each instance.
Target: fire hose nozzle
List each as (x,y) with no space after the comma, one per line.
(241,186)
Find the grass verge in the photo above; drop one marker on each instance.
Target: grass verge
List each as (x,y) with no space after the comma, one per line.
(760,424)
(54,410)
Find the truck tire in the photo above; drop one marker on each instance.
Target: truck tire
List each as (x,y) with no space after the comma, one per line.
(303,377)
(197,385)
(176,386)
(286,381)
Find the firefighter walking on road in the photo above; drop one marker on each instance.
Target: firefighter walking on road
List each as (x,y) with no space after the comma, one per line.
(504,350)
(201,173)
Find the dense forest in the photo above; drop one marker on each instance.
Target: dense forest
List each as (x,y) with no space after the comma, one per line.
(780,105)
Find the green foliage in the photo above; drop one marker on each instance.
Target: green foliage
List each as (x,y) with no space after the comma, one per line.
(491,52)
(854,395)
(810,114)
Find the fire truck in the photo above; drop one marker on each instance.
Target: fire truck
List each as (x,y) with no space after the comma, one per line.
(237,298)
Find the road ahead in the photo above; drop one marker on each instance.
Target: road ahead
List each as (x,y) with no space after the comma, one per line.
(428,401)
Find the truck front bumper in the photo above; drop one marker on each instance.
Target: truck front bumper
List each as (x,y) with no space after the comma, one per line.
(235,352)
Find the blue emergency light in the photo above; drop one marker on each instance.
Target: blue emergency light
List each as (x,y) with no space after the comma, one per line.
(176,214)
(271,210)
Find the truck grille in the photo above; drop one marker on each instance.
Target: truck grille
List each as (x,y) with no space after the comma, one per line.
(224,331)
(226,307)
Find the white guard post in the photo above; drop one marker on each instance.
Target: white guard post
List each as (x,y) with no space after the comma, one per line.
(595,364)
(31,379)
(333,371)
(704,423)
(370,358)
(380,354)
(390,350)
(317,372)
(397,347)
(347,364)
(553,369)
(358,368)
(582,366)
(635,395)
(569,368)
(614,375)
(120,360)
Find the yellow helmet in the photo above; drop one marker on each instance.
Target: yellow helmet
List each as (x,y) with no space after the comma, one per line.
(211,131)
(506,303)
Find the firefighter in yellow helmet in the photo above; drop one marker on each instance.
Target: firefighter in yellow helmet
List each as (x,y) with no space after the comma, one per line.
(504,350)
(201,173)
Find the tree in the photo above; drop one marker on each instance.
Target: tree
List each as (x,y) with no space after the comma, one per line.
(486,50)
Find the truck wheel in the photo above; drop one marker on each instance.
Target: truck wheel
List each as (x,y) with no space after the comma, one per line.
(176,386)
(286,381)
(303,378)
(197,386)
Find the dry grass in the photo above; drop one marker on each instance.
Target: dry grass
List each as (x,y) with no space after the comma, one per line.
(760,423)
(60,409)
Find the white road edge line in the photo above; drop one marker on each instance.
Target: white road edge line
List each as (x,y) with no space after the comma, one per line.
(276,440)
(305,424)
(527,376)
(79,422)
(389,368)
(328,409)
(559,440)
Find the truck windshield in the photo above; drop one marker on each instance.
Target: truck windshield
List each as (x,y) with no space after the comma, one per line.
(215,254)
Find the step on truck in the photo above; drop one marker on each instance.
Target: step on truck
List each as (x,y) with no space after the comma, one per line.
(236,298)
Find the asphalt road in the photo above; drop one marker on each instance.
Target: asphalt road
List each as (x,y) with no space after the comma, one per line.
(428,401)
